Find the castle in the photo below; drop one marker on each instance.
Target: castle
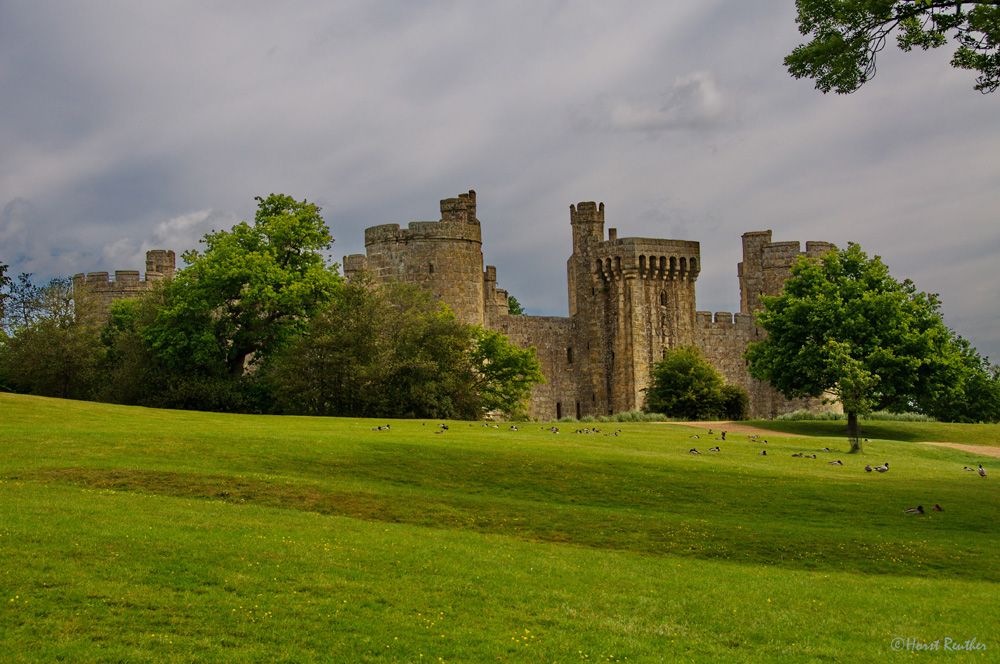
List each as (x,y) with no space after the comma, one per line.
(103,290)
(629,300)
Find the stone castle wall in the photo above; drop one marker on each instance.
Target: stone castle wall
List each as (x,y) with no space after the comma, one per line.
(630,299)
(100,290)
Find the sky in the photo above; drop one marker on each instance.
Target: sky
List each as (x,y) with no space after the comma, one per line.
(129,126)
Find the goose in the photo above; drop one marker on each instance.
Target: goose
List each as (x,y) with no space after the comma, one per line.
(919,509)
(838,462)
(714,449)
(693,451)
(884,468)
(868,468)
(982,472)
(937,508)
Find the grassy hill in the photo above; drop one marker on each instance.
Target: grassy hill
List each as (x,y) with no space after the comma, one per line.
(140,535)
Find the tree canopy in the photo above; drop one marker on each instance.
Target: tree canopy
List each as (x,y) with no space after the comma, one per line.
(393,351)
(686,386)
(847,35)
(844,325)
(251,290)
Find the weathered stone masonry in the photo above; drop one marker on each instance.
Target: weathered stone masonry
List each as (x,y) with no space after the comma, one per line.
(629,300)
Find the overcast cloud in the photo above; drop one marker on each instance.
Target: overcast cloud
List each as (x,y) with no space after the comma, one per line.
(127,126)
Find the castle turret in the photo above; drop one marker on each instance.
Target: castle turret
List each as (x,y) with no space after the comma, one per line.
(444,257)
(588,225)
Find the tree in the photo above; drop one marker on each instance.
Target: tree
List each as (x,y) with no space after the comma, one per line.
(393,351)
(514,307)
(50,352)
(4,283)
(22,306)
(252,290)
(847,35)
(844,325)
(387,351)
(685,385)
(505,373)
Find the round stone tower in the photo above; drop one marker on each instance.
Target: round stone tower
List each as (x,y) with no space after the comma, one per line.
(444,257)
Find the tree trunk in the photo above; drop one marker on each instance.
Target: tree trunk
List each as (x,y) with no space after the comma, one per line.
(852,431)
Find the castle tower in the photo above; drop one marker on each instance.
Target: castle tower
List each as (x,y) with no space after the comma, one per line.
(444,257)
(632,298)
(95,291)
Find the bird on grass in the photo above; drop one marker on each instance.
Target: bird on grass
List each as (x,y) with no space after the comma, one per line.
(868,468)
(971,470)
(825,449)
(694,436)
(810,456)
(937,508)
(797,455)
(838,462)
(919,509)
(981,471)
(693,451)
(714,449)
(884,468)
(762,453)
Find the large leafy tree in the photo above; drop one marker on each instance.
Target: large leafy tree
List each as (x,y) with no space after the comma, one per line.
(388,351)
(844,325)
(847,35)
(685,385)
(251,290)
(50,351)
(391,350)
(505,374)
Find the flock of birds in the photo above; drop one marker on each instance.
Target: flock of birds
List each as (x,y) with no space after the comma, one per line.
(884,468)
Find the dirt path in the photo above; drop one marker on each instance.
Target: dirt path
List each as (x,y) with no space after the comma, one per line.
(975,449)
(736,427)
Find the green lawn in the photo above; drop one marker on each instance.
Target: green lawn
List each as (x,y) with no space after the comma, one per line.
(136,535)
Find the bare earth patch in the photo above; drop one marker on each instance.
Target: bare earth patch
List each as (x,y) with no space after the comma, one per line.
(975,449)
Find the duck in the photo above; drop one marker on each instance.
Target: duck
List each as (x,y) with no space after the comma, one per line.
(838,462)
(810,456)
(797,455)
(694,436)
(884,468)
(762,453)
(937,508)
(714,449)
(868,468)
(981,471)
(825,449)
(971,470)
(919,509)
(693,451)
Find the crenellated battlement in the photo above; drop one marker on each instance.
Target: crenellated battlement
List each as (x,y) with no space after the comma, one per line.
(101,290)
(461,209)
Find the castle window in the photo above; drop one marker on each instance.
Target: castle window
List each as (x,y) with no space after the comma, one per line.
(569,355)
(558,410)
(430,268)
(577,410)
(663,298)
